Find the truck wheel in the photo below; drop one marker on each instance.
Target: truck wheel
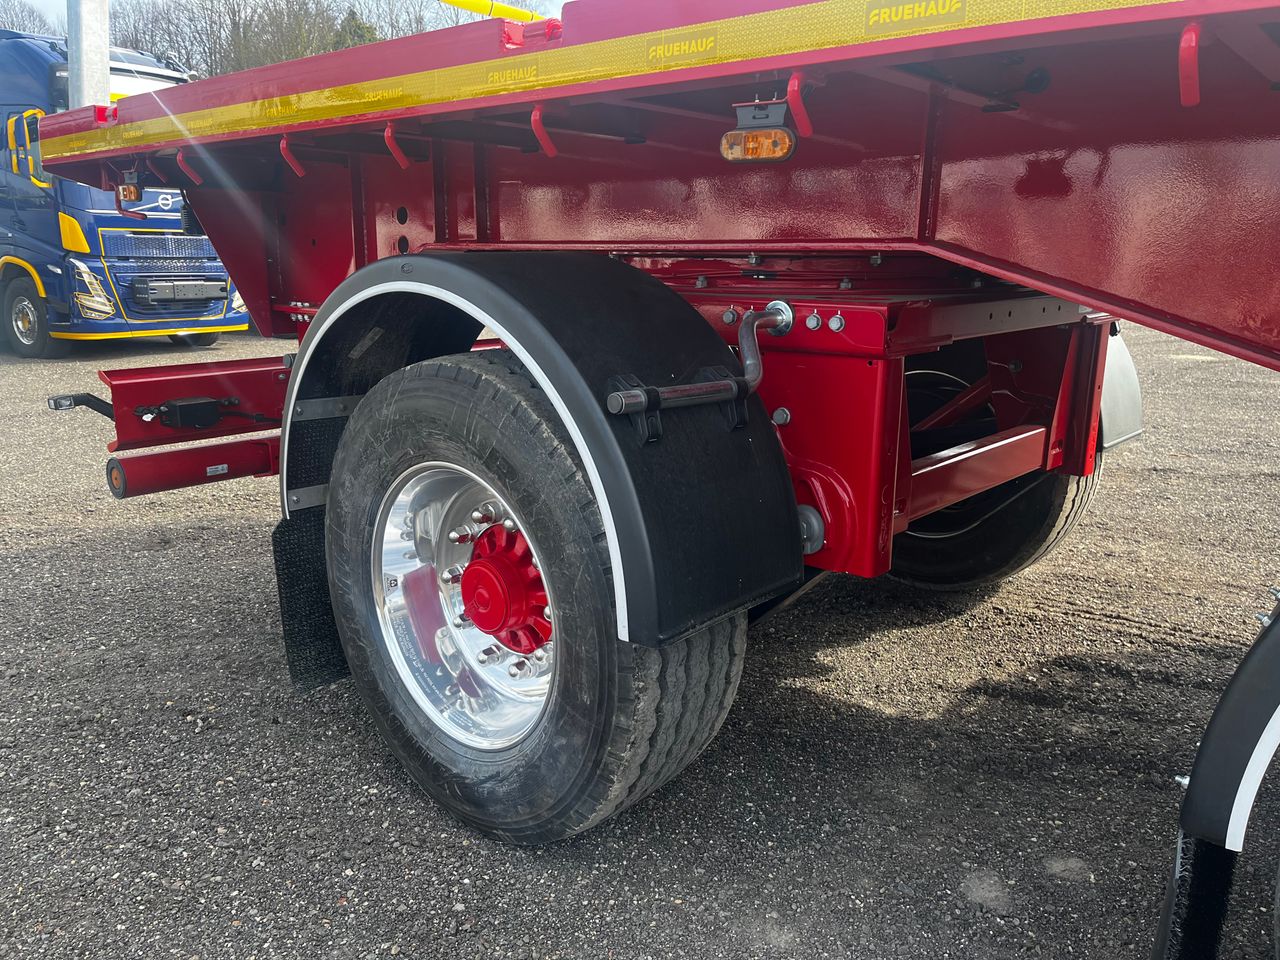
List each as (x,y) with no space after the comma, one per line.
(195,339)
(989,537)
(471,584)
(26,325)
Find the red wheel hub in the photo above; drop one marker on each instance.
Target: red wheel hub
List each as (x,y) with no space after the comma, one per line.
(503,592)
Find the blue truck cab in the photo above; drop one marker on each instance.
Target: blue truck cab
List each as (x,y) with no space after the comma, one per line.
(72,266)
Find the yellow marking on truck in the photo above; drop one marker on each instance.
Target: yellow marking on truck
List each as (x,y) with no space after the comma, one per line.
(811,27)
(682,47)
(888,17)
(124,334)
(19,262)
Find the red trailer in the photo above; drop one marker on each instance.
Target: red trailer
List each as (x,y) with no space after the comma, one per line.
(618,329)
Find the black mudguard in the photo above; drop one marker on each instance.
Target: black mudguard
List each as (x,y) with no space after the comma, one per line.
(1234,754)
(703,519)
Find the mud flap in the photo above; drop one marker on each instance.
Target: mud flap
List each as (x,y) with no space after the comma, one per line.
(311,644)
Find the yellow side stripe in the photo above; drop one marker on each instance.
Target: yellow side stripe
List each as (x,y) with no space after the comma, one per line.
(811,27)
(57,335)
(35,277)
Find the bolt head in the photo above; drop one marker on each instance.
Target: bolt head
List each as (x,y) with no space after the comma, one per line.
(392,583)
(813,321)
(730,316)
(836,323)
(781,416)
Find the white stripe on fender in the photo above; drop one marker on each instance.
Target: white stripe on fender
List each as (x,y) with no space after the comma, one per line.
(439,293)
(1247,792)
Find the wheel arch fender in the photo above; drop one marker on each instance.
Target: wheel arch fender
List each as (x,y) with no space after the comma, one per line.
(700,523)
(1238,747)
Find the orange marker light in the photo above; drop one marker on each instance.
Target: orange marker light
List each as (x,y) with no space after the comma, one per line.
(129,192)
(764,145)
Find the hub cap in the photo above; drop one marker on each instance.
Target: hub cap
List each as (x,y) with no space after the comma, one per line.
(464,612)
(24,320)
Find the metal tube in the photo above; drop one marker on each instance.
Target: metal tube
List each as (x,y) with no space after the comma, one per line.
(88,53)
(490,8)
(777,318)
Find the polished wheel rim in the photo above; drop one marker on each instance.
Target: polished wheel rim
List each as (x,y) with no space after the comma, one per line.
(464,612)
(24,320)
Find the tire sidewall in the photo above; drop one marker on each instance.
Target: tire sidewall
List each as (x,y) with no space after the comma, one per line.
(421,415)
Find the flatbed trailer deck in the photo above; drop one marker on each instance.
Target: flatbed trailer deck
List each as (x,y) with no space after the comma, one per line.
(617,328)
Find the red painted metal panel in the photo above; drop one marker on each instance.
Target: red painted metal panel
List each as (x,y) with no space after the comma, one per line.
(950,476)
(258,386)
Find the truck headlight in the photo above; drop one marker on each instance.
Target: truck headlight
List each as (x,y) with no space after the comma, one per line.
(237,303)
(90,296)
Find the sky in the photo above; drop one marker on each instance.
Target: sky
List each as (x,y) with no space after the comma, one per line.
(51,8)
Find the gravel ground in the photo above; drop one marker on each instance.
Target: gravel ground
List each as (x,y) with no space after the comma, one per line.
(903,774)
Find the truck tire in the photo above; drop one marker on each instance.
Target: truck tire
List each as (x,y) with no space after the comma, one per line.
(195,339)
(528,720)
(26,322)
(988,538)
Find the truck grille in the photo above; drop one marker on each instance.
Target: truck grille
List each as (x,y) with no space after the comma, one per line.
(124,273)
(150,246)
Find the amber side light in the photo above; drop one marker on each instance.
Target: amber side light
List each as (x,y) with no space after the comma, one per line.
(129,192)
(764,145)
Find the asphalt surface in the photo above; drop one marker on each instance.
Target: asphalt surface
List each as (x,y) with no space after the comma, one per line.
(904,775)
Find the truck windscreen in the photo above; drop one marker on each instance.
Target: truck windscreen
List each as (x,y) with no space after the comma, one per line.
(126,83)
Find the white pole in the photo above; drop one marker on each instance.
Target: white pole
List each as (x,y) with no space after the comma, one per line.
(88,52)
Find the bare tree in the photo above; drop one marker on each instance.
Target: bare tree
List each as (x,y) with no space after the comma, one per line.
(222,36)
(21,15)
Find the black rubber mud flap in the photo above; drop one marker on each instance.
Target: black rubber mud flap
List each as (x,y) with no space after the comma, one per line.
(1196,901)
(311,645)
(703,518)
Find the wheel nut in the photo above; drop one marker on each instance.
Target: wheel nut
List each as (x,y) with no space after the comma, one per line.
(509,525)
(518,669)
(452,575)
(490,655)
(485,513)
(461,620)
(540,655)
(546,613)
(462,534)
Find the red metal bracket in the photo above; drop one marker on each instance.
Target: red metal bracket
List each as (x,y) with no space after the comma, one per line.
(795,102)
(258,384)
(193,466)
(950,476)
(294,163)
(1189,64)
(540,132)
(187,169)
(389,137)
